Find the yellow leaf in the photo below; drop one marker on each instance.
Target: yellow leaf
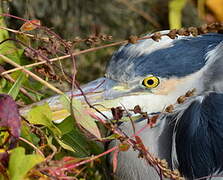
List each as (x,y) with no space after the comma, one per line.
(217,7)
(175,8)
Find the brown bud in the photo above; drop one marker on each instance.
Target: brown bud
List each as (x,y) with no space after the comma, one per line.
(181,99)
(109,37)
(190,93)
(133,39)
(172,34)
(164,163)
(203,29)
(169,108)
(166,175)
(137,109)
(183,32)
(153,120)
(103,37)
(193,31)
(156,36)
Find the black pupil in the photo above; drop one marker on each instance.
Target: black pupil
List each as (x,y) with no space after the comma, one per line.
(150,82)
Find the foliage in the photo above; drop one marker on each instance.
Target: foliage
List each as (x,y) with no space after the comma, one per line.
(34,142)
(20,164)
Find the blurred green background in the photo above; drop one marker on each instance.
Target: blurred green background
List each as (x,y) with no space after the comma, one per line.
(118,18)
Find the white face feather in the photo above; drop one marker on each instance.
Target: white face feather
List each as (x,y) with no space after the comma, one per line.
(156,99)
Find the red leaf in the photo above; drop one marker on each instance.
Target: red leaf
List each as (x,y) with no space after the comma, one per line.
(9,115)
(30,25)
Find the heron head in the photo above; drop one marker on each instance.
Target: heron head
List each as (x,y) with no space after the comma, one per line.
(152,74)
(149,74)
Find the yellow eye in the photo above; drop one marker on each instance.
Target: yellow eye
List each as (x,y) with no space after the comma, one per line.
(151,82)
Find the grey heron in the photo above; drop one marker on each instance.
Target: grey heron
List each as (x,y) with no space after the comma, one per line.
(153,75)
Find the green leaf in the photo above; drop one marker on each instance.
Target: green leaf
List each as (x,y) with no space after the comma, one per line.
(3,83)
(175,8)
(8,48)
(14,91)
(3,33)
(64,145)
(23,38)
(42,115)
(81,116)
(80,144)
(67,125)
(28,135)
(74,140)
(20,164)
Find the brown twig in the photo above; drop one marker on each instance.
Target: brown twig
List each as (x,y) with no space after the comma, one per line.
(72,166)
(214,27)
(27,34)
(32,145)
(23,90)
(67,56)
(6,59)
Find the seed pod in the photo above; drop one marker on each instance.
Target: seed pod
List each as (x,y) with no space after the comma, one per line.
(133,39)
(172,34)
(169,108)
(181,99)
(156,36)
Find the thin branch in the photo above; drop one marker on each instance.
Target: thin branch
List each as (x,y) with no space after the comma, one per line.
(6,59)
(66,56)
(32,145)
(89,160)
(27,34)
(23,90)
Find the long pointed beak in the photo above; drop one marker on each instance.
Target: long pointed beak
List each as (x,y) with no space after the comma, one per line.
(97,93)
